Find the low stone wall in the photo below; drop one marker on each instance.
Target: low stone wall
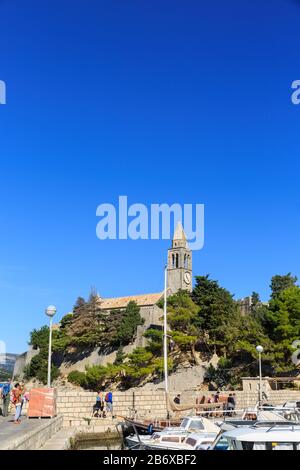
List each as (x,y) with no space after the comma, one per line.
(79,404)
(35,439)
(76,406)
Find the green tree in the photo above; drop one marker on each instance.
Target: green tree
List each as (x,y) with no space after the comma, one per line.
(220,376)
(183,313)
(129,323)
(243,338)
(184,321)
(281,283)
(38,367)
(66,320)
(255,299)
(219,312)
(39,339)
(139,366)
(120,356)
(155,338)
(283,324)
(79,304)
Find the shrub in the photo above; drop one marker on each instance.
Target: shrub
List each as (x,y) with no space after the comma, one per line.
(95,376)
(77,378)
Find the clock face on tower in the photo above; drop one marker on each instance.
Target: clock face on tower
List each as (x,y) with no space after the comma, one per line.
(187,278)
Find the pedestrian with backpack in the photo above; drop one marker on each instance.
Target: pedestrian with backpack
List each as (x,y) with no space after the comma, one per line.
(5,393)
(109,403)
(98,408)
(16,398)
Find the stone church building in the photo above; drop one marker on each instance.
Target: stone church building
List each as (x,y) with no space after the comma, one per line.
(179,277)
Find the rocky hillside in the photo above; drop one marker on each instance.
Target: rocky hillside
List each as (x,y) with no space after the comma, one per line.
(95,349)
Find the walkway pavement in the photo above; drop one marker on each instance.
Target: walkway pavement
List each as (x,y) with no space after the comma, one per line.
(9,431)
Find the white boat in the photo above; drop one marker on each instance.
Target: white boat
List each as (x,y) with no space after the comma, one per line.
(257,416)
(203,430)
(279,437)
(192,441)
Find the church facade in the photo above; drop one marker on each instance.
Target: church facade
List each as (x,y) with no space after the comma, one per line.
(179,270)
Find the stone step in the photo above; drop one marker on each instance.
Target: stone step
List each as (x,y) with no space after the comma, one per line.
(61,440)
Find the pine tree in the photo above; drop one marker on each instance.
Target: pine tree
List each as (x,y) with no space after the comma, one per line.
(281,283)
(129,323)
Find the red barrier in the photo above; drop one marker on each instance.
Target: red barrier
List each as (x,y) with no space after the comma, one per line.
(42,403)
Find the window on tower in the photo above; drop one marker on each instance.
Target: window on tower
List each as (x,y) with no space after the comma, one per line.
(173,261)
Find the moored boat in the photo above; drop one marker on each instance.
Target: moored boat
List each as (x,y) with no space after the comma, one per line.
(172,437)
(279,437)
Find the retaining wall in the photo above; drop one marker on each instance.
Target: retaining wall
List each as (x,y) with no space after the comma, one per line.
(76,406)
(35,439)
(79,405)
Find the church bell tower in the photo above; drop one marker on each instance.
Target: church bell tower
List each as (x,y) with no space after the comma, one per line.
(179,262)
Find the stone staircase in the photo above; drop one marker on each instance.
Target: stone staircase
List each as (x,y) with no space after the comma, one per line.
(62,440)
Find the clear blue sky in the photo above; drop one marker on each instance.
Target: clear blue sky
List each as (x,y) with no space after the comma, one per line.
(163,101)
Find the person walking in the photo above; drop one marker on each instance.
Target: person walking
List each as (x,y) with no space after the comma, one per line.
(23,395)
(5,394)
(211,399)
(230,404)
(109,403)
(98,408)
(234,400)
(17,401)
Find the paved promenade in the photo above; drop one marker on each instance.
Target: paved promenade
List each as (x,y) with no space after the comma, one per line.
(49,434)
(10,432)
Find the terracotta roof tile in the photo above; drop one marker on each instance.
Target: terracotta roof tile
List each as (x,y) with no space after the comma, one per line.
(122,302)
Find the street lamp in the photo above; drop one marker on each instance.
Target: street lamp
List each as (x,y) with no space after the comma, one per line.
(260,349)
(165,333)
(50,312)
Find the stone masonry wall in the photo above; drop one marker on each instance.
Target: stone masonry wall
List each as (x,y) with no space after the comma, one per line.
(79,404)
(149,403)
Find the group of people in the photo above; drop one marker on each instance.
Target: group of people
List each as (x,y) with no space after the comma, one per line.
(228,405)
(16,395)
(103,405)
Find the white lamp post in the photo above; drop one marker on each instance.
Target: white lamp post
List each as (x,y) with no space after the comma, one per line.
(260,349)
(165,335)
(166,343)
(50,312)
